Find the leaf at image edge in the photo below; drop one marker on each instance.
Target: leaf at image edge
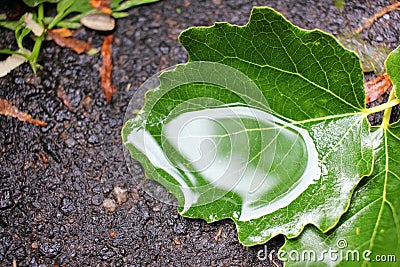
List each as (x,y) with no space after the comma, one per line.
(372,224)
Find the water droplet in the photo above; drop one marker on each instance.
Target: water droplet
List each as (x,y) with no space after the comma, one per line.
(265,160)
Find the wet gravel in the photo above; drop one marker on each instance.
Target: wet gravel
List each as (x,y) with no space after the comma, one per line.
(55,179)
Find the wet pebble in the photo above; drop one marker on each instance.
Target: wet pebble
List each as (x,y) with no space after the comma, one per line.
(97,200)
(19,80)
(6,200)
(93,139)
(109,204)
(50,125)
(33,262)
(157,208)
(105,253)
(62,116)
(164,48)
(46,83)
(50,250)
(51,148)
(67,206)
(379,38)
(180,228)
(121,195)
(70,142)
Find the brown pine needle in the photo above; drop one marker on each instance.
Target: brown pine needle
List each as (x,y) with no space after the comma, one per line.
(106,68)
(8,109)
(74,44)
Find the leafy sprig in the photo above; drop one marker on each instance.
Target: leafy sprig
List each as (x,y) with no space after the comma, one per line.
(69,14)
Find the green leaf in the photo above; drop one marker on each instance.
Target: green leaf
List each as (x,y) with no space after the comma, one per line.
(265,125)
(393,67)
(115,3)
(21,32)
(130,3)
(66,7)
(8,51)
(33,3)
(11,25)
(370,230)
(270,50)
(369,233)
(339,3)
(120,15)
(64,23)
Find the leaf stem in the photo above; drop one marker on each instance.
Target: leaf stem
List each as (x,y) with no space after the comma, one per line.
(35,52)
(388,105)
(388,111)
(39,40)
(40,14)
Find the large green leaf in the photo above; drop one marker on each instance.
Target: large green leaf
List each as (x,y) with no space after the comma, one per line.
(265,125)
(369,233)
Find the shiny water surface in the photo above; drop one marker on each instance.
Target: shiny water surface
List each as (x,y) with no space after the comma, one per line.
(262,158)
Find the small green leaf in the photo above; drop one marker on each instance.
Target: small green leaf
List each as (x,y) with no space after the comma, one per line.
(21,32)
(131,3)
(120,15)
(66,7)
(393,67)
(339,3)
(8,51)
(115,3)
(369,233)
(265,125)
(33,3)
(64,23)
(11,25)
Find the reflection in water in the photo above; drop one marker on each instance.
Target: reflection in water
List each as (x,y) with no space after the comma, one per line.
(262,158)
(146,144)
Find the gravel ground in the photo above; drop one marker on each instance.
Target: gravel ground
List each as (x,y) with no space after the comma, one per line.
(54,179)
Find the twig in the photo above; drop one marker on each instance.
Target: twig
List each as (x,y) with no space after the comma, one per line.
(219,232)
(8,109)
(377,15)
(106,68)
(273,262)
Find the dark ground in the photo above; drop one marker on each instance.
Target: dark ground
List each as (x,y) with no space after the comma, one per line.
(51,213)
